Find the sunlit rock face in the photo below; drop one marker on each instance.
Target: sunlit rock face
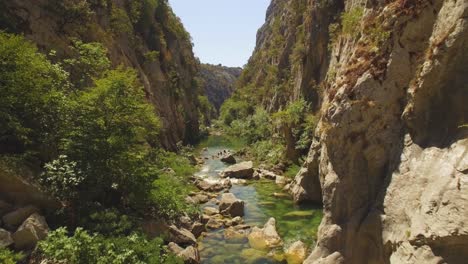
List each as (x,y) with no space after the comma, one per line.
(155,44)
(388,163)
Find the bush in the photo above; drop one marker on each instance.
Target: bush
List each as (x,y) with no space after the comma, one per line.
(233,109)
(84,248)
(351,21)
(9,257)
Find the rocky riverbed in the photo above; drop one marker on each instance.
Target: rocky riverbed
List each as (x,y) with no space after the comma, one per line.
(247,214)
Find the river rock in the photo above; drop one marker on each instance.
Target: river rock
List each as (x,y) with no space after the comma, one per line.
(174,248)
(243,170)
(266,237)
(210,211)
(190,255)
(181,236)
(230,205)
(266,174)
(234,234)
(228,158)
(296,253)
(5,238)
(213,186)
(281,180)
(200,198)
(198,228)
(214,223)
(185,222)
(14,219)
(237,221)
(30,232)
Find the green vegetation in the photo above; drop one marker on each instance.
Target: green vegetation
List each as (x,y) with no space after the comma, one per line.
(89,61)
(273,138)
(351,21)
(97,148)
(9,257)
(83,247)
(32,101)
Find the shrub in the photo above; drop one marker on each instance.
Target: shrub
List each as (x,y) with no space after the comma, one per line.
(351,21)
(82,248)
(233,109)
(9,257)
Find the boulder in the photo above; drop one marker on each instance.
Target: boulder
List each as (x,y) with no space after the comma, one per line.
(230,205)
(174,248)
(30,232)
(237,220)
(214,223)
(181,236)
(185,222)
(281,180)
(228,158)
(234,234)
(190,255)
(5,238)
(213,186)
(200,198)
(14,219)
(243,170)
(198,228)
(266,237)
(296,253)
(266,174)
(210,211)
(5,207)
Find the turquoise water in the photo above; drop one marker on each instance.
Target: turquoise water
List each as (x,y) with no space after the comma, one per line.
(293,222)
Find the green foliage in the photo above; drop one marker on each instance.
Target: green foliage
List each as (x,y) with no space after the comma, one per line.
(83,248)
(206,110)
(9,257)
(110,222)
(120,22)
(377,35)
(32,98)
(292,171)
(268,152)
(351,21)
(152,56)
(111,136)
(233,109)
(74,13)
(61,178)
(88,62)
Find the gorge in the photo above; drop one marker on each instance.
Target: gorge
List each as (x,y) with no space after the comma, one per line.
(344,139)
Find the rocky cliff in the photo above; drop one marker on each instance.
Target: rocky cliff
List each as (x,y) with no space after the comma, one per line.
(219,82)
(144,35)
(389,159)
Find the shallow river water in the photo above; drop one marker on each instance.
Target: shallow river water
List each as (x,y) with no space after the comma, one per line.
(293,222)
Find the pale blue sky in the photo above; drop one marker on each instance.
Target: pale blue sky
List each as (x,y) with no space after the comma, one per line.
(224,31)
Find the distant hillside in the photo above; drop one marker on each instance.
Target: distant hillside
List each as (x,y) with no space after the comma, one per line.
(219,82)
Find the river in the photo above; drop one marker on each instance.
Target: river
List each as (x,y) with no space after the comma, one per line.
(293,222)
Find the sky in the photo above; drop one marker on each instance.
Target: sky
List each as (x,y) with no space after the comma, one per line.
(223,31)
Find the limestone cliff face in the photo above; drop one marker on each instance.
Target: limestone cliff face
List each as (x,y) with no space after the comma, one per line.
(219,82)
(389,159)
(145,35)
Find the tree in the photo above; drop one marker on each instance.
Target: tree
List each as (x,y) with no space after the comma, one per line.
(112,137)
(32,98)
